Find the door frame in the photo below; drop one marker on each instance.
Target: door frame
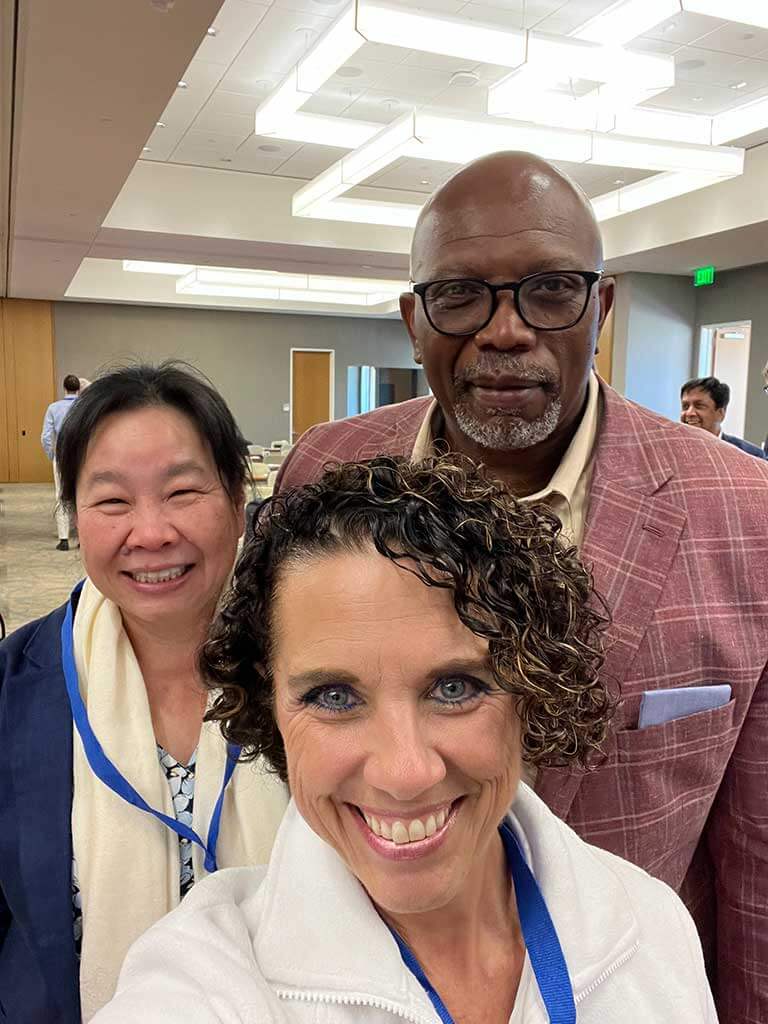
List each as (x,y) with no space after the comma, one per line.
(331,385)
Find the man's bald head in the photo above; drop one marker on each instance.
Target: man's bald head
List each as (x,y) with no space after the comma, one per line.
(511,190)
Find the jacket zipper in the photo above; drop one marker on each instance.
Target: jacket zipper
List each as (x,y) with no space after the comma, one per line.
(336,1000)
(398,1011)
(607,973)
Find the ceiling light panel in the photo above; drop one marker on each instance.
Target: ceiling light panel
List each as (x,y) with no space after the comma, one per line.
(741,121)
(650,191)
(151,267)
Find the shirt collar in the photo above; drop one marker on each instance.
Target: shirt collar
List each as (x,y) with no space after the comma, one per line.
(572,465)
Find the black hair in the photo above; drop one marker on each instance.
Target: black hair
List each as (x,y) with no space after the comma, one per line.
(719,392)
(71,383)
(140,386)
(514,584)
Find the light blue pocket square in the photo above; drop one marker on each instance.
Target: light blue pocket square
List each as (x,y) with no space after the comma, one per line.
(659,706)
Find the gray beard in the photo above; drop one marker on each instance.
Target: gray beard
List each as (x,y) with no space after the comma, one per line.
(505,433)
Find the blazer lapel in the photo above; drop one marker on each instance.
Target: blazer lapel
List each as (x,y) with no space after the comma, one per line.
(42,802)
(630,542)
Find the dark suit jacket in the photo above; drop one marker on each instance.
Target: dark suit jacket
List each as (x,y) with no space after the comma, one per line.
(677,542)
(746,446)
(38,969)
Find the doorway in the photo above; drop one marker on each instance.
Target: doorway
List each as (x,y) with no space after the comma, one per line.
(724,353)
(311,388)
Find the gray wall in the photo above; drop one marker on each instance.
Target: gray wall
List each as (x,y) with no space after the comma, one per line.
(654,339)
(743,295)
(246,355)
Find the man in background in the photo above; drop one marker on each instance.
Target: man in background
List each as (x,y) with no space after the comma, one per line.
(54,417)
(504,314)
(704,402)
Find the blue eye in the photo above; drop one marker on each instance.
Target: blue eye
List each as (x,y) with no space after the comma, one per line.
(458,690)
(331,698)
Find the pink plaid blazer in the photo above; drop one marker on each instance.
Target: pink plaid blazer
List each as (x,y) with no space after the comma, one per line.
(677,541)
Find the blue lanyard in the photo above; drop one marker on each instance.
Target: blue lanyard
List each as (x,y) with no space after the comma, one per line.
(110,775)
(541,941)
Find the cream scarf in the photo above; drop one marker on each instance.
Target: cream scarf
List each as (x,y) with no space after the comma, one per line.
(128,861)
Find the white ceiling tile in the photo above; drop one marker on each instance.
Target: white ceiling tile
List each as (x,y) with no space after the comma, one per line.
(309,161)
(282,37)
(333,101)
(458,99)
(695,98)
(685,28)
(224,102)
(368,74)
(201,78)
(211,120)
(234,24)
(252,157)
(434,61)
(512,13)
(696,65)
(205,149)
(421,84)
(647,44)
(323,8)
(380,106)
(742,40)
(413,175)
(571,16)
(382,53)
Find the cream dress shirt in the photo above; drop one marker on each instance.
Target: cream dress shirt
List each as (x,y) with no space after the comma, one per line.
(567,493)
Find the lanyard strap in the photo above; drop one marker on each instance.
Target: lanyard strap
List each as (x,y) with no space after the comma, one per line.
(541,941)
(110,775)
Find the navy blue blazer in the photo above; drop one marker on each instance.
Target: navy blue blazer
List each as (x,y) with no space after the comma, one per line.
(39,972)
(746,446)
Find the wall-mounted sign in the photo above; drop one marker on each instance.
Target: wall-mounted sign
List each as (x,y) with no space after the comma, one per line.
(703,275)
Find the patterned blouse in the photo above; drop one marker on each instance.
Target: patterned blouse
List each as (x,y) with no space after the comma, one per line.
(181,779)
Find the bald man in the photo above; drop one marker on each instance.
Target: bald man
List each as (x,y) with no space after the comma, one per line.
(504,315)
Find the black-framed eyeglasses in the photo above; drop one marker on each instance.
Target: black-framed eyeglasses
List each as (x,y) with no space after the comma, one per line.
(551,301)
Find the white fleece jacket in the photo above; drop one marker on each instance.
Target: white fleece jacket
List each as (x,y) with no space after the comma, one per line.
(299,942)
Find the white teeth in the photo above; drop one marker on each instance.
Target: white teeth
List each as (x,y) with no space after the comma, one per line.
(416,831)
(413,831)
(400,833)
(159,577)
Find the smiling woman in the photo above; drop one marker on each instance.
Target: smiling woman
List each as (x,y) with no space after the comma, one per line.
(398,639)
(107,692)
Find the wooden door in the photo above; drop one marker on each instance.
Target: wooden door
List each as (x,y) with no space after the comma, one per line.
(604,357)
(5,414)
(311,383)
(27,327)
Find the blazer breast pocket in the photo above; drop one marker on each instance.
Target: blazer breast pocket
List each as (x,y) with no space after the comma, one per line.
(666,778)
(702,733)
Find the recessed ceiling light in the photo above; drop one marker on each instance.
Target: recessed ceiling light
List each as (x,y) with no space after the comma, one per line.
(670,26)
(269,148)
(183,85)
(145,149)
(160,124)
(738,85)
(349,71)
(425,181)
(225,159)
(465,79)
(697,99)
(212,31)
(619,181)
(747,36)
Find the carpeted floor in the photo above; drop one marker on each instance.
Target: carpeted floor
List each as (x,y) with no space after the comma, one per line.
(34,578)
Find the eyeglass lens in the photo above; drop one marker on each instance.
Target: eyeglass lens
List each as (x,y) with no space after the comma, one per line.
(546,301)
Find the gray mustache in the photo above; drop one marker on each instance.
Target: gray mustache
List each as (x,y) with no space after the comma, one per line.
(530,373)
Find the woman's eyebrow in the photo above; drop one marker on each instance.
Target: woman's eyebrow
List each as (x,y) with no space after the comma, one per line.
(322,677)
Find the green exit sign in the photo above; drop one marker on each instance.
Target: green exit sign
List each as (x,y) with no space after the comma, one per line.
(703,275)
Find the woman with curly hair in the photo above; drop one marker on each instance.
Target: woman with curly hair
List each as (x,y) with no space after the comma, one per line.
(398,640)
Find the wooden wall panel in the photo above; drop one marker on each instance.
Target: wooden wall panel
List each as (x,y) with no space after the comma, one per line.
(5,398)
(30,386)
(604,357)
